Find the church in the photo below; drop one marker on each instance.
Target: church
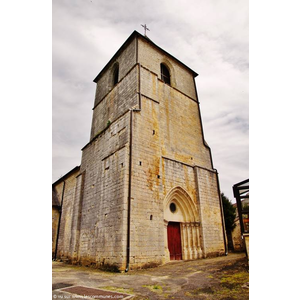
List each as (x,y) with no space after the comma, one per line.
(146,191)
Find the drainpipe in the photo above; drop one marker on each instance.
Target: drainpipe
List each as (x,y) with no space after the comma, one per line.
(59,218)
(129,197)
(222,214)
(130,167)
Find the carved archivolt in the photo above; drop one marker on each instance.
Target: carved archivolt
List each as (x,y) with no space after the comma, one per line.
(186,208)
(187,214)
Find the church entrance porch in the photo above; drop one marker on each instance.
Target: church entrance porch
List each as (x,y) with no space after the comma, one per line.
(181,226)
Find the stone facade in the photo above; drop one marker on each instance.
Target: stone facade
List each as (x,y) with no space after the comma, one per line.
(63,191)
(55,220)
(146,152)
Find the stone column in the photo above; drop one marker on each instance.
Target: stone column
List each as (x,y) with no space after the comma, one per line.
(199,250)
(194,241)
(167,252)
(184,241)
(189,250)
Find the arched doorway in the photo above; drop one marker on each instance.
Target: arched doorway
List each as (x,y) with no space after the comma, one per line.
(182,232)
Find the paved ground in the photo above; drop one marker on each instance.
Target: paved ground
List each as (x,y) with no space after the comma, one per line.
(224,277)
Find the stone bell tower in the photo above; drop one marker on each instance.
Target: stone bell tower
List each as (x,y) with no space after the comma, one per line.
(147,191)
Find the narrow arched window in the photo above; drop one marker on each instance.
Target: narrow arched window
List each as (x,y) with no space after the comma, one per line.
(165,74)
(116,75)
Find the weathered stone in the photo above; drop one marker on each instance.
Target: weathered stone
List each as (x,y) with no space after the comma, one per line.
(146,147)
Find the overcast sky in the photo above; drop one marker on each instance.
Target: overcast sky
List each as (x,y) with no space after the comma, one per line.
(211,37)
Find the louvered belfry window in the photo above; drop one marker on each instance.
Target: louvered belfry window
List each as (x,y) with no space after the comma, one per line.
(165,74)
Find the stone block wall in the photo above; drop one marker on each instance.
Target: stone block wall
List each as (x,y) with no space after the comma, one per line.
(151,57)
(119,100)
(210,212)
(126,60)
(65,190)
(179,124)
(167,145)
(147,240)
(238,243)
(167,151)
(55,220)
(102,206)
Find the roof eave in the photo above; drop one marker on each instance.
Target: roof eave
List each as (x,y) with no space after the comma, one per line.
(66,175)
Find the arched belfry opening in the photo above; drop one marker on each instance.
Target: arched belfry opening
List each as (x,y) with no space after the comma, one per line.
(181,226)
(116,74)
(165,74)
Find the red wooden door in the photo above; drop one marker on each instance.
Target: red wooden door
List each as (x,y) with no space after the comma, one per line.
(174,241)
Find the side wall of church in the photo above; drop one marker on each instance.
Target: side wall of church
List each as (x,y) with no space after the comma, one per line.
(66,189)
(55,220)
(102,206)
(100,222)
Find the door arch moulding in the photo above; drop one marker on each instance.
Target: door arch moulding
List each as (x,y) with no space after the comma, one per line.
(188,215)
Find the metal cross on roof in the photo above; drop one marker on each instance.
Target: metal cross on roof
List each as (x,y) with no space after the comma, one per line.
(145,28)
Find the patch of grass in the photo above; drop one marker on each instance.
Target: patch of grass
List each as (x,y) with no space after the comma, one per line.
(235,280)
(204,290)
(231,287)
(154,288)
